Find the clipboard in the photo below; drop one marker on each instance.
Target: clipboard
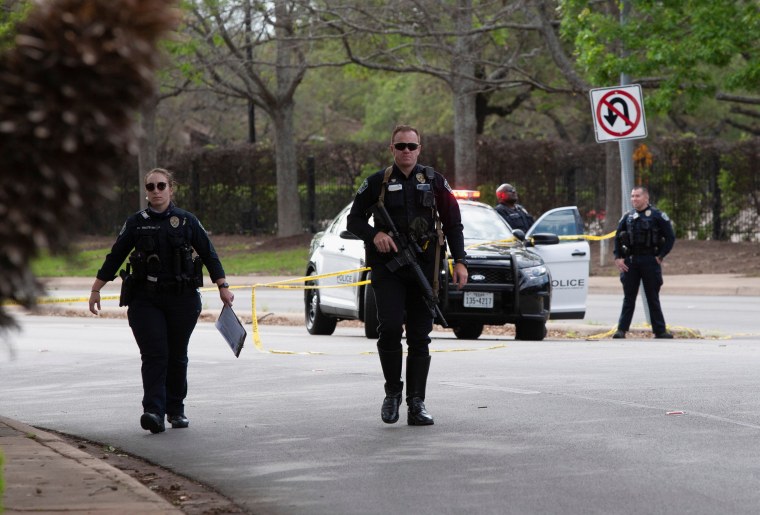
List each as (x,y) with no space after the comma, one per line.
(233,331)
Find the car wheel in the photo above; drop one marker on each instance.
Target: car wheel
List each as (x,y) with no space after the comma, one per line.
(316,321)
(468,331)
(533,330)
(370,313)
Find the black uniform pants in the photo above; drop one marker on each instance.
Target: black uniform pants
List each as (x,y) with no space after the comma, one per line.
(162,324)
(398,296)
(642,269)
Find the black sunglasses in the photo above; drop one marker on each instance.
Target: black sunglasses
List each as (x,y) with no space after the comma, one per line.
(402,146)
(152,186)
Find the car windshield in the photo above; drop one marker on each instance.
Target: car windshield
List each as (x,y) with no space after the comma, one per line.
(483,223)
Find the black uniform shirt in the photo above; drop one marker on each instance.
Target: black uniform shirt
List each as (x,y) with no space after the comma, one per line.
(652,232)
(188,230)
(517,217)
(402,201)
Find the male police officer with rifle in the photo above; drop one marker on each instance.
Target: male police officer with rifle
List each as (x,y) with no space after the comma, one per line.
(408,250)
(415,214)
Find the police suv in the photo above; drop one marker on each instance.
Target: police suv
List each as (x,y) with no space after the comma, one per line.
(514,278)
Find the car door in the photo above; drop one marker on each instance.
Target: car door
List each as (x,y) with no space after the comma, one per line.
(337,254)
(568,261)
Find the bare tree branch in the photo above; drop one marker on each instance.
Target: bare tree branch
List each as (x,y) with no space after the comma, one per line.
(755,131)
(557,52)
(745,112)
(738,98)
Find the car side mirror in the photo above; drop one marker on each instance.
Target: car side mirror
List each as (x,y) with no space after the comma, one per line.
(519,234)
(346,235)
(545,238)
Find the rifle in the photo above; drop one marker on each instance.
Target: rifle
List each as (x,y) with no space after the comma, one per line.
(407,250)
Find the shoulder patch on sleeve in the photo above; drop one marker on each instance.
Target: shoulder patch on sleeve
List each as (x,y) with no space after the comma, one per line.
(665,217)
(446,185)
(123,228)
(363,187)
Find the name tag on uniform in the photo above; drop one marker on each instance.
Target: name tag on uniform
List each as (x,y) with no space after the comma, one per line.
(395,187)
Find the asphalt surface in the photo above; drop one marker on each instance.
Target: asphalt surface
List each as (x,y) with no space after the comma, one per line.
(45,475)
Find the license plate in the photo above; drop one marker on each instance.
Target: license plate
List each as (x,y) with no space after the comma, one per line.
(478,299)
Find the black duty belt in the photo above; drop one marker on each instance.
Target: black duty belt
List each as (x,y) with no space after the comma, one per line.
(165,287)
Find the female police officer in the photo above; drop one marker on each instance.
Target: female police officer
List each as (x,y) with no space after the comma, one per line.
(161,289)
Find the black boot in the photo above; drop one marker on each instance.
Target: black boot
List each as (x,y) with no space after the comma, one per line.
(417,368)
(391,364)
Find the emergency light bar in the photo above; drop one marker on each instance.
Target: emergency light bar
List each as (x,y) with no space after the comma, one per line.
(466,194)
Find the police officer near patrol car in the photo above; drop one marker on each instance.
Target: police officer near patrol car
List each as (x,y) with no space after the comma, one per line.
(516,215)
(417,198)
(160,286)
(644,237)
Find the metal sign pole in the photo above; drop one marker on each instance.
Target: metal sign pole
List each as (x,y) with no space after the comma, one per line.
(626,162)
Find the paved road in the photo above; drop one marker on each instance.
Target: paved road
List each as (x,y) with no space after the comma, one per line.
(521,427)
(716,305)
(711,315)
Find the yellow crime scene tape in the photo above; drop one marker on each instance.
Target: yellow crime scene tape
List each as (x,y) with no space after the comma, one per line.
(587,237)
(687,331)
(293,284)
(287,284)
(60,300)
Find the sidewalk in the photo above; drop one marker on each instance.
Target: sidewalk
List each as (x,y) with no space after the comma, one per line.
(43,474)
(699,284)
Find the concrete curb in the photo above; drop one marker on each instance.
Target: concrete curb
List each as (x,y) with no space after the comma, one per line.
(45,474)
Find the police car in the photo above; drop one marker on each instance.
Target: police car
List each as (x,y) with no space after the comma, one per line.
(514,278)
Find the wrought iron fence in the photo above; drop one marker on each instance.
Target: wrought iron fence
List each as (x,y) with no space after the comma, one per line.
(710,189)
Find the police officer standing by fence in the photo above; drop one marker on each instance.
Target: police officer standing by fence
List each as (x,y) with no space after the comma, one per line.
(422,207)
(160,286)
(644,237)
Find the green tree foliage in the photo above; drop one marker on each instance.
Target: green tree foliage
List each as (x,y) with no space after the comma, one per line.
(676,47)
(12,12)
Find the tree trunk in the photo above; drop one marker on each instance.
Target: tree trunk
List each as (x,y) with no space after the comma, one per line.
(465,141)
(147,158)
(613,205)
(288,202)
(464,93)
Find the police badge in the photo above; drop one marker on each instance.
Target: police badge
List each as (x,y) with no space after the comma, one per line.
(420,178)
(648,212)
(174,221)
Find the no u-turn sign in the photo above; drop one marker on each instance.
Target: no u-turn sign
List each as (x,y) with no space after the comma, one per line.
(618,113)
